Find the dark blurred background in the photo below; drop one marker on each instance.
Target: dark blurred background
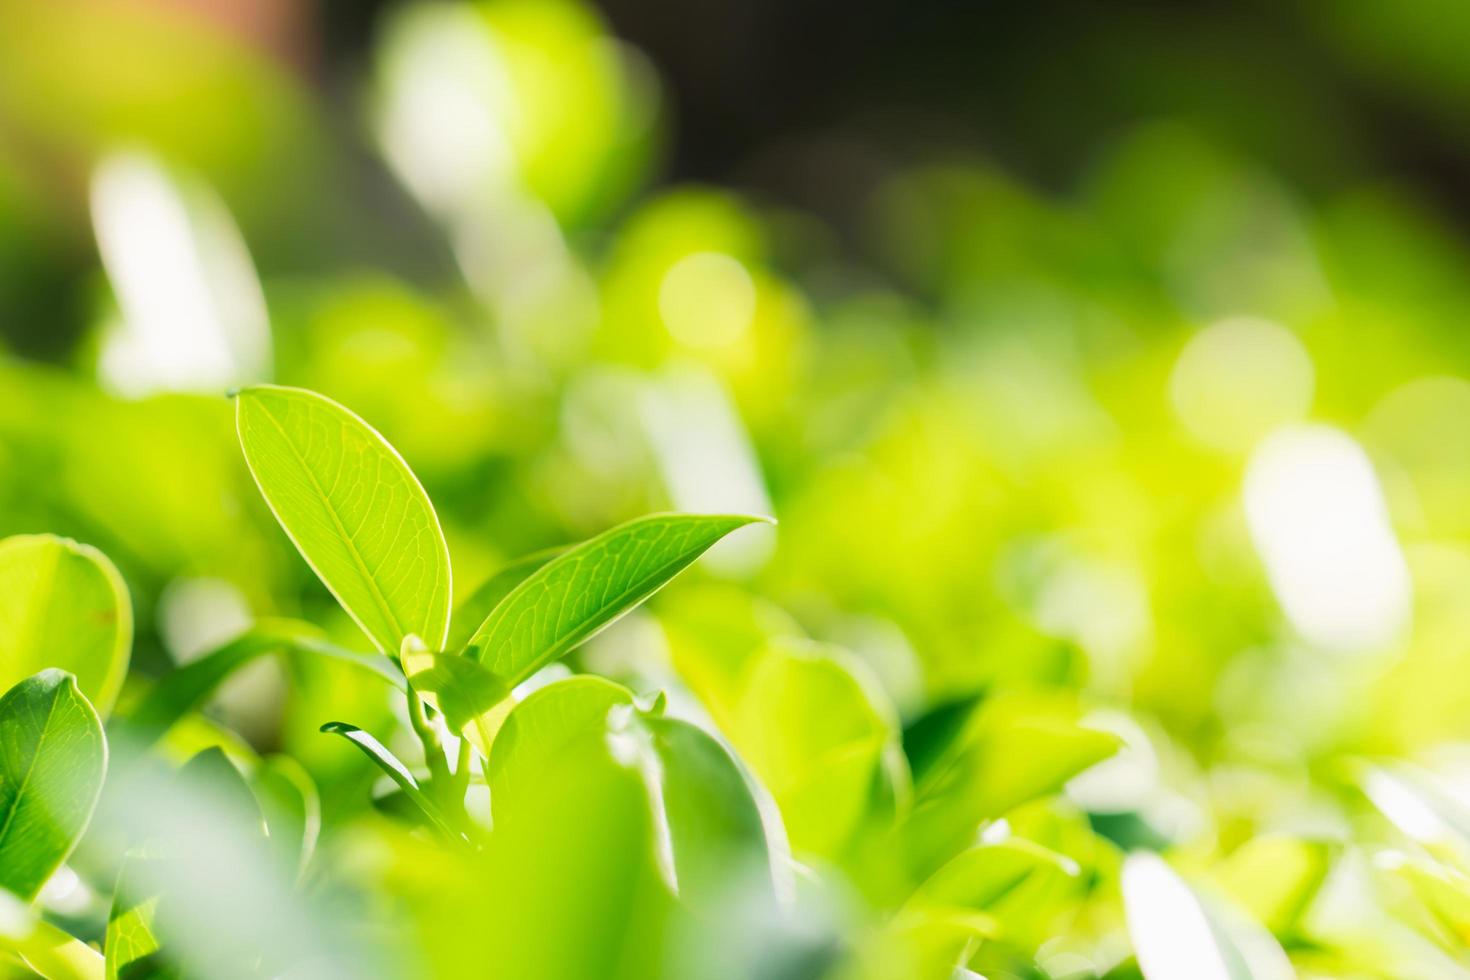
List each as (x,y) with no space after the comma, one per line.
(803,99)
(810,105)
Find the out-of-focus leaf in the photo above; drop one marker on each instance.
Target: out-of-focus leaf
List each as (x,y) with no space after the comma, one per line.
(63,604)
(52,760)
(714,632)
(212,775)
(573,596)
(142,907)
(715,828)
(292,809)
(185,688)
(400,806)
(473,700)
(1013,749)
(541,726)
(470,613)
(43,947)
(1273,878)
(1413,800)
(1011,881)
(396,771)
(130,945)
(571,886)
(716,836)
(918,943)
(1443,890)
(225,907)
(353,509)
(816,735)
(928,737)
(1176,936)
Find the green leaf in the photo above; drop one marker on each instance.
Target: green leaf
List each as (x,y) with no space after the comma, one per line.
(211,776)
(473,700)
(396,771)
(1013,749)
(1442,890)
(52,760)
(63,604)
(353,509)
(715,828)
(130,944)
(185,688)
(816,734)
(716,837)
(470,613)
(934,733)
(46,949)
(397,805)
(1015,883)
(152,926)
(571,886)
(1274,877)
(714,631)
(292,809)
(541,726)
(573,596)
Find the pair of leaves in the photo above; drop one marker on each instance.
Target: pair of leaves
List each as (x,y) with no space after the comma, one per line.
(544,606)
(716,832)
(53,757)
(365,525)
(63,604)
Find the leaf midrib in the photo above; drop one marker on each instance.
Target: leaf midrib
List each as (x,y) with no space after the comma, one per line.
(571,638)
(357,558)
(25,780)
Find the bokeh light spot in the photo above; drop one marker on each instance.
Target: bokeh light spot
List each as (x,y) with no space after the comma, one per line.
(1238,379)
(707,300)
(1319,521)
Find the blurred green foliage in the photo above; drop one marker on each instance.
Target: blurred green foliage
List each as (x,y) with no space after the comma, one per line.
(1168,470)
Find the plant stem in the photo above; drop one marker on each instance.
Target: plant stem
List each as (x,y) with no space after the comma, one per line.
(460,784)
(438,762)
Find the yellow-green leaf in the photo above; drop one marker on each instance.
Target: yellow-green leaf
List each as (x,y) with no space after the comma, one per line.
(354,510)
(63,604)
(569,599)
(52,760)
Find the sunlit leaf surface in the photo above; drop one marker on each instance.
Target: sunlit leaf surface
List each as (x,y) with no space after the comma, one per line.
(353,508)
(52,760)
(571,597)
(63,604)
